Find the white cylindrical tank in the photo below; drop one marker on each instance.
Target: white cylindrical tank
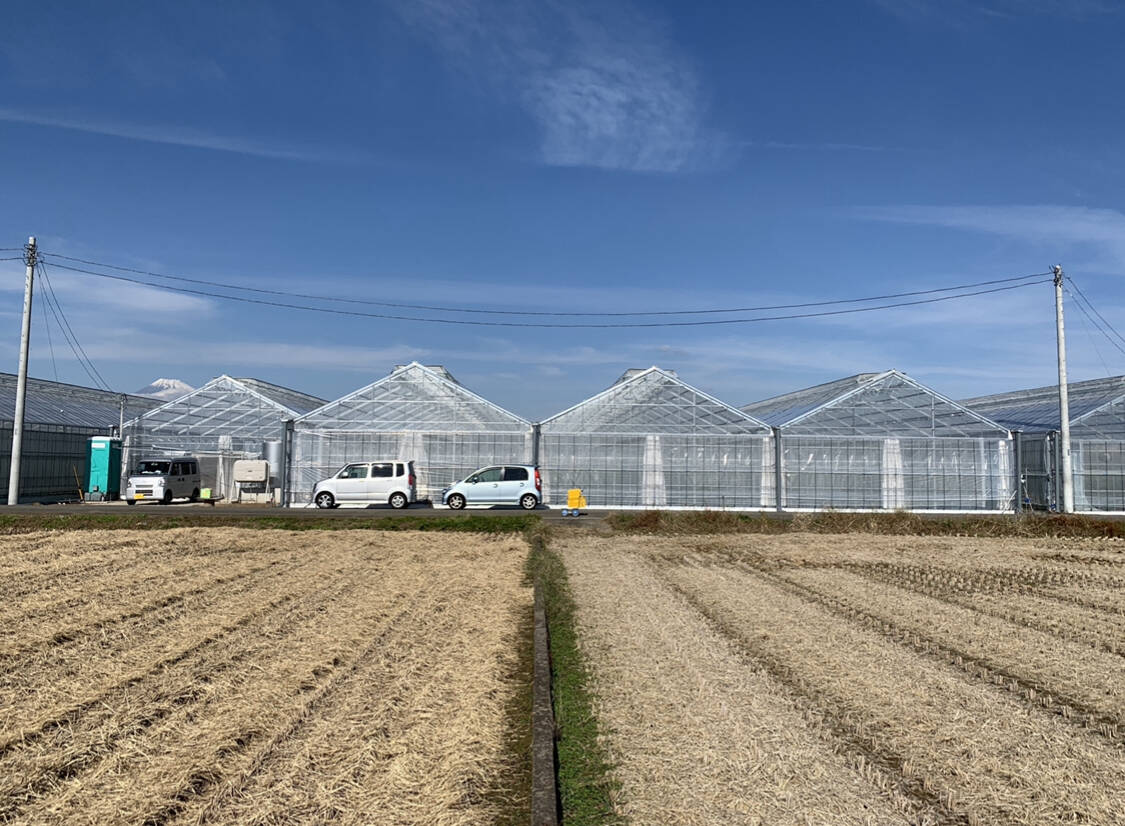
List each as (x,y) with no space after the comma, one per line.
(271,452)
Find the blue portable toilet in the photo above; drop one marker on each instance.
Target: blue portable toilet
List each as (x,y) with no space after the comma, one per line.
(103,458)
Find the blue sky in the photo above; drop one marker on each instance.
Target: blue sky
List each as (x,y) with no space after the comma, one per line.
(572,156)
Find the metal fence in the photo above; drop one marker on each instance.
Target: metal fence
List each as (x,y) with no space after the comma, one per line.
(1098,467)
(54,461)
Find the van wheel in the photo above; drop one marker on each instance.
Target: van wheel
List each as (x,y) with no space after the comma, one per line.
(528,501)
(130,502)
(456,501)
(325,500)
(195,495)
(399,501)
(167,500)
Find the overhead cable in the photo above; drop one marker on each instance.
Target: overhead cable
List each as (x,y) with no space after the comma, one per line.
(468,322)
(1098,327)
(68,332)
(1090,304)
(634,313)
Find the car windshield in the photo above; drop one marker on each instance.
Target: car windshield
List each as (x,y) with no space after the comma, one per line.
(153,468)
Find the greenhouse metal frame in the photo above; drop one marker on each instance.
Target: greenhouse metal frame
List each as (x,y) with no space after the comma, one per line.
(416,413)
(59,419)
(1097,441)
(653,441)
(883,441)
(224,420)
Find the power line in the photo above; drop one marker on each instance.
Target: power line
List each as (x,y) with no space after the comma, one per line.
(68,332)
(1095,309)
(467,322)
(1095,324)
(444,309)
(50,343)
(13,258)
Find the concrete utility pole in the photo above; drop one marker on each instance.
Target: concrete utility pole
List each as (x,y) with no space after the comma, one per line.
(21,383)
(1064,399)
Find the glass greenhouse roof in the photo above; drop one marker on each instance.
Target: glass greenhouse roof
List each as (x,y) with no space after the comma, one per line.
(51,402)
(413,398)
(224,406)
(873,404)
(1037,409)
(653,401)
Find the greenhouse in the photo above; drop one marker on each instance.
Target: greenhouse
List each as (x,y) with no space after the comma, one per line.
(884,441)
(651,440)
(58,421)
(224,420)
(1097,440)
(416,413)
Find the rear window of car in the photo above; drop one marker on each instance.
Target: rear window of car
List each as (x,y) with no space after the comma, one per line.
(515,474)
(400,470)
(381,470)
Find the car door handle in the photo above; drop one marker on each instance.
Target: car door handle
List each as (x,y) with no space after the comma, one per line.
(495,484)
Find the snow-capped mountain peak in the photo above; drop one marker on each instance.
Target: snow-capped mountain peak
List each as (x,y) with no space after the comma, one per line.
(166,389)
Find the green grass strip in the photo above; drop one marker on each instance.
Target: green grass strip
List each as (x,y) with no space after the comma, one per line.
(1031,525)
(585,786)
(132,520)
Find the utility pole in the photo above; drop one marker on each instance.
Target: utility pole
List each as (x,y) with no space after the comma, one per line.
(1064,399)
(21,383)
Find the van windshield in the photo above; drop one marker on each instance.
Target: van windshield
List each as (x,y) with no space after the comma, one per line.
(153,468)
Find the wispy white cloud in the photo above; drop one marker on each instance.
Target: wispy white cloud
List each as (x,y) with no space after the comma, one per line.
(179,136)
(956,11)
(1101,231)
(605,86)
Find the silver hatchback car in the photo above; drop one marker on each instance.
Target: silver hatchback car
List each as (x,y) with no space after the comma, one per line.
(497,485)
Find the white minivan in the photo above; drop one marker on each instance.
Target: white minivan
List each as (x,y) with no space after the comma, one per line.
(163,480)
(369,483)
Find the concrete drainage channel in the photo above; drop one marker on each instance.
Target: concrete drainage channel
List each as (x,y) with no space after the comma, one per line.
(544,791)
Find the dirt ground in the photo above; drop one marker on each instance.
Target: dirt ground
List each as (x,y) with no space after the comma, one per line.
(228,676)
(857,679)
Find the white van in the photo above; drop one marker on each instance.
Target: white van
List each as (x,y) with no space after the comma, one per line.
(163,480)
(391,481)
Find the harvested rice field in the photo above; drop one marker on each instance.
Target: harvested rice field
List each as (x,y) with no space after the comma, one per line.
(859,679)
(229,676)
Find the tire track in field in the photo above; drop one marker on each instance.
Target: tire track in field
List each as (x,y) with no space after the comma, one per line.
(1085,634)
(201,782)
(165,702)
(73,712)
(1007,582)
(26,580)
(1035,696)
(35,609)
(75,632)
(883,766)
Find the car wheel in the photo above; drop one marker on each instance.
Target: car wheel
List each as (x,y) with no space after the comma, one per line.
(167,500)
(324,499)
(399,501)
(528,501)
(195,495)
(130,502)
(456,501)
